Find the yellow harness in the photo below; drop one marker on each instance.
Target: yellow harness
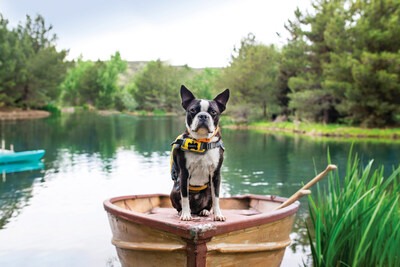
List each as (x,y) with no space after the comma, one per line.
(192,145)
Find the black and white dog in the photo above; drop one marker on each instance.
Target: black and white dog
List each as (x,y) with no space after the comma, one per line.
(196,163)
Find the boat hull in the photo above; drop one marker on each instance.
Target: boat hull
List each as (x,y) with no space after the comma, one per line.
(24,156)
(147,231)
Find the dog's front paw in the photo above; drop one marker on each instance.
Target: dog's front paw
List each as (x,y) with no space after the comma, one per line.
(185,216)
(204,213)
(219,217)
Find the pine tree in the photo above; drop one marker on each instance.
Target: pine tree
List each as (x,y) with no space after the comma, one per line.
(45,67)
(308,97)
(31,67)
(12,65)
(364,73)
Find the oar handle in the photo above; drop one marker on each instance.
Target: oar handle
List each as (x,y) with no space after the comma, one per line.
(304,190)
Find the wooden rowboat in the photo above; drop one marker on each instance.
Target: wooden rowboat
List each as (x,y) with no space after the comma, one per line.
(147,231)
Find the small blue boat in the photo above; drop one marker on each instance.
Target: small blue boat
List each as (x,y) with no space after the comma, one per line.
(24,156)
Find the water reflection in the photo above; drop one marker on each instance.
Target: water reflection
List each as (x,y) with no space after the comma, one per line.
(20,167)
(56,213)
(15,193)
(265,163)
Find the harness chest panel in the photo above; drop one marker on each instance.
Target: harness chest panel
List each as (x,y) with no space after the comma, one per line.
(193,146)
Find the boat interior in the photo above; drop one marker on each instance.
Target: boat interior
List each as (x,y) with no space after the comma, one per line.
(159,206)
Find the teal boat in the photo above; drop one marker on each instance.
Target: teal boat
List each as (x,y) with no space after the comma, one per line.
(24,156)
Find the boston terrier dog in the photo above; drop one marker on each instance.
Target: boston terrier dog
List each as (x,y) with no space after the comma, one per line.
(197,157)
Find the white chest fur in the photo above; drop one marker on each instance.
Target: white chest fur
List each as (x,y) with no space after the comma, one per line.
(201,167)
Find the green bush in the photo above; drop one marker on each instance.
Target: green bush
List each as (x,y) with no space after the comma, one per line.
(53,109)
(141,112)
(159,112)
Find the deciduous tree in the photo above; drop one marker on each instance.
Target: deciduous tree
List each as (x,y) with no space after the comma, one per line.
(253,74)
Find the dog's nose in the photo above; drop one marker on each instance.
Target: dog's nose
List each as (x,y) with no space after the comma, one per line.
(202,117)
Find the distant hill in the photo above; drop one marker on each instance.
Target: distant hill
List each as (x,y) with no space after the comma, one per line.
(135,67)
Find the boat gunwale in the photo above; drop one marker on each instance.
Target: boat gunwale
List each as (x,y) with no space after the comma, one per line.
(189,230)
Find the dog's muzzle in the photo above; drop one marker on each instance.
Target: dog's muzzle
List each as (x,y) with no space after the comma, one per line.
(203,121)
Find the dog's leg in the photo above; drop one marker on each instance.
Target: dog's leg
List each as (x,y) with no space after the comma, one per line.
(215,183)
(185,215)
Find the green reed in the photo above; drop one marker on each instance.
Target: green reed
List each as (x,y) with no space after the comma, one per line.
(356,222)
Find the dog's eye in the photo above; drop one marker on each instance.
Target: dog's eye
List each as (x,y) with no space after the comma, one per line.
(213,112)
(192,110)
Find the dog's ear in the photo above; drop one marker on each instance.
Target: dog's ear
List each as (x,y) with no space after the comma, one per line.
(186,96)
(222,99)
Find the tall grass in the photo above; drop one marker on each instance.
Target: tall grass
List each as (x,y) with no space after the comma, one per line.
(356,222)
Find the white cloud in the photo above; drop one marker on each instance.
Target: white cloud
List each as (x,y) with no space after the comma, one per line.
(205,38)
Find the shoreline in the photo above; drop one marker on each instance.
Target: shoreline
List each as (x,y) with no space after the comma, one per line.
(313,130)
(318,133)
(23,114)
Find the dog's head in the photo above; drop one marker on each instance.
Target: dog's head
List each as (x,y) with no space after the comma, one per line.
(202,116)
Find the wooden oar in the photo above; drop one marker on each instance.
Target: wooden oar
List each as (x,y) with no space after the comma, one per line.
(305,189)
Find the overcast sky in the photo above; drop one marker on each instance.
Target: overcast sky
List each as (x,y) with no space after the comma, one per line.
(197,33)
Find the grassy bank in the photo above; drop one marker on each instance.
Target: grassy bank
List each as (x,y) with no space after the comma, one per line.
(319,129)
(356,221)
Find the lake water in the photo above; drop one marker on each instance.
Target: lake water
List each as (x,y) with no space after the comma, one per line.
(54,216)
